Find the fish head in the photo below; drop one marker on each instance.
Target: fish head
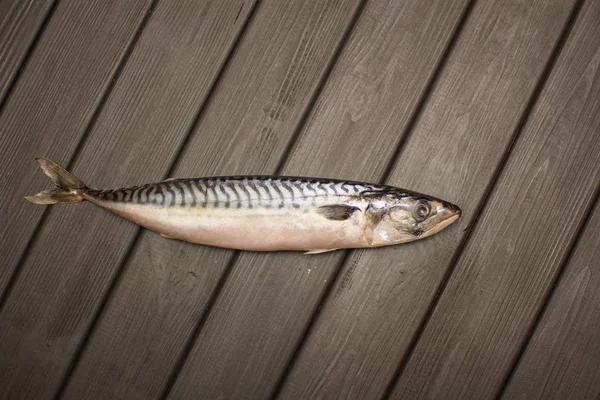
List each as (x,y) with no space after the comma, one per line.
(399,216)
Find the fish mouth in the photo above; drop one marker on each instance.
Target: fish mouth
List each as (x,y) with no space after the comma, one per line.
(446,215)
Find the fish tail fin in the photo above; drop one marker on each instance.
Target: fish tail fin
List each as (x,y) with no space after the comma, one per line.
(68,188)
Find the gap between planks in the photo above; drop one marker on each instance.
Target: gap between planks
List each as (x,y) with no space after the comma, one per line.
(522,121)
(280,165)
(173,164)
(552,288)
(27,55)
(15,275)
(480,207)
(414,117)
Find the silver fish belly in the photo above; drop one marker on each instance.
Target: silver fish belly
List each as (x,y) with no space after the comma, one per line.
(265,213)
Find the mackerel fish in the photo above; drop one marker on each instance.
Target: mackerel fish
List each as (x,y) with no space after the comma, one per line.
(265,213)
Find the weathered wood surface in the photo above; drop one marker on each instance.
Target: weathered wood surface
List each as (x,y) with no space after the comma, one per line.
(52,104)
(136,137)
(523,236)
(428,95)
(380,297)
(20,21)
(245,129)
(561,361)
(357,123)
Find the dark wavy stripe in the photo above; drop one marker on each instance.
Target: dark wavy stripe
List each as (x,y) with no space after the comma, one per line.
(275,185)
(192,194)
(178,185)
(171,196)
(236,194)
(227,197)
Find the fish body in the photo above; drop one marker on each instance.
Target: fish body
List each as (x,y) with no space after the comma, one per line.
(265,213)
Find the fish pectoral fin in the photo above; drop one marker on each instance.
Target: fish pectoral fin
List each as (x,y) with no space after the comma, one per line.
(337,212)
(319,251)
(167,236)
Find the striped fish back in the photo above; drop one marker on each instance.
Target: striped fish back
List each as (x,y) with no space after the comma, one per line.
(234,192)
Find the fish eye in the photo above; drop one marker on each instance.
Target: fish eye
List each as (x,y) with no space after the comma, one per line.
(421,211)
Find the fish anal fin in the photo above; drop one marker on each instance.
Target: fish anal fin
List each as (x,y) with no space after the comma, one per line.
(167,236)
(337,212)
(319,251)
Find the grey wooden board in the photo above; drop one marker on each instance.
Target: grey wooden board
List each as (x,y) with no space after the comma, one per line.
(52,103)
(251,118)
(357,122)
(524,233)
(20,20)
(381,295)
(561,361)
(135,139)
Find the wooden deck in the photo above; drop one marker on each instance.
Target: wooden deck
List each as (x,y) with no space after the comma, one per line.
(492,105)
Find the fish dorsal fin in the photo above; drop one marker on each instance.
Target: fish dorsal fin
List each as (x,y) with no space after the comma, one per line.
(318,251)
(337,212)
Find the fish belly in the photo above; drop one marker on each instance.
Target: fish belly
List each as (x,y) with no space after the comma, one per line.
(253,230)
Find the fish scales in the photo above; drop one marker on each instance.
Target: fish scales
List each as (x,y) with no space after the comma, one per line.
(265,213)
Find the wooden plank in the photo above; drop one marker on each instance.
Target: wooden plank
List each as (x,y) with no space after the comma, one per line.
(52,103)
(358,122)
(252,116)
(523,236)
(19,23)
(381,295)
(136,137)
(561,361)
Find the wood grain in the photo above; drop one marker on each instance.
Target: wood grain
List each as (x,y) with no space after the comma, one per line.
(19,23)
(52,104)
(246,128)
(523,235)
(136,137)
(118,318)
(561,361)
(381,295)
(357,123)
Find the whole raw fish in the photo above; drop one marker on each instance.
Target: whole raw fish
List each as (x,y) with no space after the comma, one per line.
(265,213)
